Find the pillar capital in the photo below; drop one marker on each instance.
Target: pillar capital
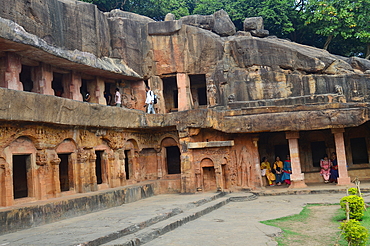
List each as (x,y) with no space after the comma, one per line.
(291,135)
(337,130)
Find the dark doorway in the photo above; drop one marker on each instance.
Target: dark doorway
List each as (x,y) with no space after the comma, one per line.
(318,150)
(170,93)
(359,151)
(173,160)
(25,78)
(57,84)
(198,89)
(21,165)
(127,164)
(282,151)
(99,169)
(64,177)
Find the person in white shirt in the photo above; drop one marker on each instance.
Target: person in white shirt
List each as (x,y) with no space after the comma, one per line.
(117,98)
(149,101)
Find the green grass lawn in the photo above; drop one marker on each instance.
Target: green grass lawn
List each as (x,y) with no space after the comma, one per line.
(293,233)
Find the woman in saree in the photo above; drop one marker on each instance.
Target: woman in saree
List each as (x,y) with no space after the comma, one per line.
(287,170)
(325,165)
(278,168)
(266,170)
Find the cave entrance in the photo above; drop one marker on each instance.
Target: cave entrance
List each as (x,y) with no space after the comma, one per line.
(170,93)
(21,167)
(26,78)
(57,84)
(100,170)
(127,164)
(173,160)
(65,172)
(198,90)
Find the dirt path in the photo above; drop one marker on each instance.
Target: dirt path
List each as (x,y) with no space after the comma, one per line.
(318,229)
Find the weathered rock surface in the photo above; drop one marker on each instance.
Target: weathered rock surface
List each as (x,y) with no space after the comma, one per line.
(223,24)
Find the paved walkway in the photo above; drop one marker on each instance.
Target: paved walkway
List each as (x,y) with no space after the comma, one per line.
(200,219)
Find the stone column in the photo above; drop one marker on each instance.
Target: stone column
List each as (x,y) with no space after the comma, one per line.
(185,100)
(55,175)
(96,89)
(92,163)
(297,177)
(41,162)
(256,159)
(42,79)
(13,68)
(187,172)
(341,156)
(6,188)
(74,88)
(219,177)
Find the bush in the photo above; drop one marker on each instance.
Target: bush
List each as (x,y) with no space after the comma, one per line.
(356,206)
(354,233)
(353,191)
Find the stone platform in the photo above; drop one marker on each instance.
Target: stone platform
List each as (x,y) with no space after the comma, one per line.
(145,220)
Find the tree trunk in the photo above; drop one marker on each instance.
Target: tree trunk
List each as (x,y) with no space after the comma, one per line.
(328,40)
(368,52)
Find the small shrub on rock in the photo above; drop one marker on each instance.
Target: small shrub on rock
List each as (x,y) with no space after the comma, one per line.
(356,206)
(354,233)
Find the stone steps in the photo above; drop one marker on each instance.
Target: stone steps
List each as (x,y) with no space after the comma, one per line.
(151,232)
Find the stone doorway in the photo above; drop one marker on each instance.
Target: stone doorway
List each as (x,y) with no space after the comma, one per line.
(209,179)
(170,93)
(198,89)
(173,160)
(100,168)
(21,168)
(128,165)
(65,170)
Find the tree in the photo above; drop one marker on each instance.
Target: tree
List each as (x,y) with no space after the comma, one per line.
(332,18)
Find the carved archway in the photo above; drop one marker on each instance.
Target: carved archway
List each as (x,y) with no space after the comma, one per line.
(208,175)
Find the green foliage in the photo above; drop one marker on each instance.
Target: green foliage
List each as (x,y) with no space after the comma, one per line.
(354,233)
(353,191)
(356,206)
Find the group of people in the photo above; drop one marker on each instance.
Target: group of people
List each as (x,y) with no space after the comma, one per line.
(329,168)
(149,101)
(280,172)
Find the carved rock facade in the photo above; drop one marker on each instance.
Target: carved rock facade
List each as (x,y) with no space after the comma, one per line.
(226,99)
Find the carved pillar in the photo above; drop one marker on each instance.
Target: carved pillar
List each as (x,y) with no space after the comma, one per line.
(185,99)
(42,79)
(297,177)
(41,162)
(74,87)
(6,188)
(198,178)
(135,165)
(341,156)
(121,167)
(99,91)
(219,179)
(115,168)
(55,175)
(187,172)
(81,177)
(256,158)
(13,67)
(160,162)
(91,170)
